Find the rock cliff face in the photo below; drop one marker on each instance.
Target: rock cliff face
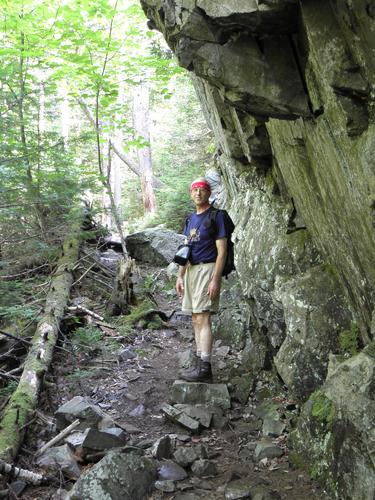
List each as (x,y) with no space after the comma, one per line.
(288,88)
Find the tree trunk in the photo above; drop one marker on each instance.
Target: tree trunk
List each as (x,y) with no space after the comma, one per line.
(124,157)
(122,295)
(141,122)
(22,402)
(32,189)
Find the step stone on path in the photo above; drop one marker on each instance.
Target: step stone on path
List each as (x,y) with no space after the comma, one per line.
(200,393)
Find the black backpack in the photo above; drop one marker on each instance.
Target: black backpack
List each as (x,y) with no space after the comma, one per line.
(229,228)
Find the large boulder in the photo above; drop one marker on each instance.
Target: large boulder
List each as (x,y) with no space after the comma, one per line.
(315,313)
(154,246)
(116,477)
(335,436)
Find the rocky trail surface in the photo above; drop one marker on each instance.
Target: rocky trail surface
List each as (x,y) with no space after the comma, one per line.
(139,432)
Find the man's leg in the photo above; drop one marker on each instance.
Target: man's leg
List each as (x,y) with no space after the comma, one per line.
(203,331)
(198,351)
(197,333)
(205,335)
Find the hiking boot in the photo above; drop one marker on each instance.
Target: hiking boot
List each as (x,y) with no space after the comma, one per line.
(192,368)
(202,373)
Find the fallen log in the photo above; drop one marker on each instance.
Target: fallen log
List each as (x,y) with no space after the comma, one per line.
(17,473)
(24,399)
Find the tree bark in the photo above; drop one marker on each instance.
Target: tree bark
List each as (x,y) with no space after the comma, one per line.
(141,123)
(23,401)
(122,294)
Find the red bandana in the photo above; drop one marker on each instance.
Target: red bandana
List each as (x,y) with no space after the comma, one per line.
(200,184)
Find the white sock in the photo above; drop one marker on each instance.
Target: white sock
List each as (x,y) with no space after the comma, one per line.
(206,357)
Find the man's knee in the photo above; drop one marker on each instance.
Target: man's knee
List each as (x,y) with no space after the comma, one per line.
(202,319)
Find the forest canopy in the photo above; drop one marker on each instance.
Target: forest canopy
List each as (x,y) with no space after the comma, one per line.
(93,108)
(95,111)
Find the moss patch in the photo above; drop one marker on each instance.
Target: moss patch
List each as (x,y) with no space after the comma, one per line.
(143,316)
(322,408)
(298,461)
(349,340)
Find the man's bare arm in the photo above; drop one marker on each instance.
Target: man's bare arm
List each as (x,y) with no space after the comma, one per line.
(214,286)
(180,280)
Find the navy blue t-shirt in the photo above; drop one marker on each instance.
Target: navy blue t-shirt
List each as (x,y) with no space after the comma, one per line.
(199,232)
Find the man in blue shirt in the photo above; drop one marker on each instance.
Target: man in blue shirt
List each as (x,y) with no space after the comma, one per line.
(199,281)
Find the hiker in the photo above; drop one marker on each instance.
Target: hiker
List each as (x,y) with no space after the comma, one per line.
(199,281)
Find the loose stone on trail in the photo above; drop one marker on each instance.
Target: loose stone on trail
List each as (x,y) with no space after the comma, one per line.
(204,468)
(60,458)
(180,417)
(79,407)
(104,440)
(272,427)
(167,486)
(266,449)
(200,413)
(172,471)
(200,393)
(185,456)
(162,448)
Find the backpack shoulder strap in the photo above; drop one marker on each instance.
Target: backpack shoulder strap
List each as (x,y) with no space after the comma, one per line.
(187,222)
(212,219)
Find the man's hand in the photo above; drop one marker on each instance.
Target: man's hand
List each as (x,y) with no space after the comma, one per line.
(180,286)
(214,288)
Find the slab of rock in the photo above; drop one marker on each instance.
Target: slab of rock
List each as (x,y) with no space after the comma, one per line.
(60,458)
(185,455)
(241,488)
(82,408)
(17,487)
(245,488)
(130,429)
(180,417)
(162,448)
(222,351)
(201,450)
(169,470)
(138,411)
(126,353)
(266,449)
(76,439)
(156,246)
(261,492)
(267,409)
(200,413)
(200,393)
(204,468)
(186,358)
(167,486)
(272,427)
(105,439)
(60,494)
(117,477)
(219,421)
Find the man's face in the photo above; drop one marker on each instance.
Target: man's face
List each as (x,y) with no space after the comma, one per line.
(200,196)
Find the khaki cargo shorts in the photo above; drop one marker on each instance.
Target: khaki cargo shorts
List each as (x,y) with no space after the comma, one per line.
(196,281)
